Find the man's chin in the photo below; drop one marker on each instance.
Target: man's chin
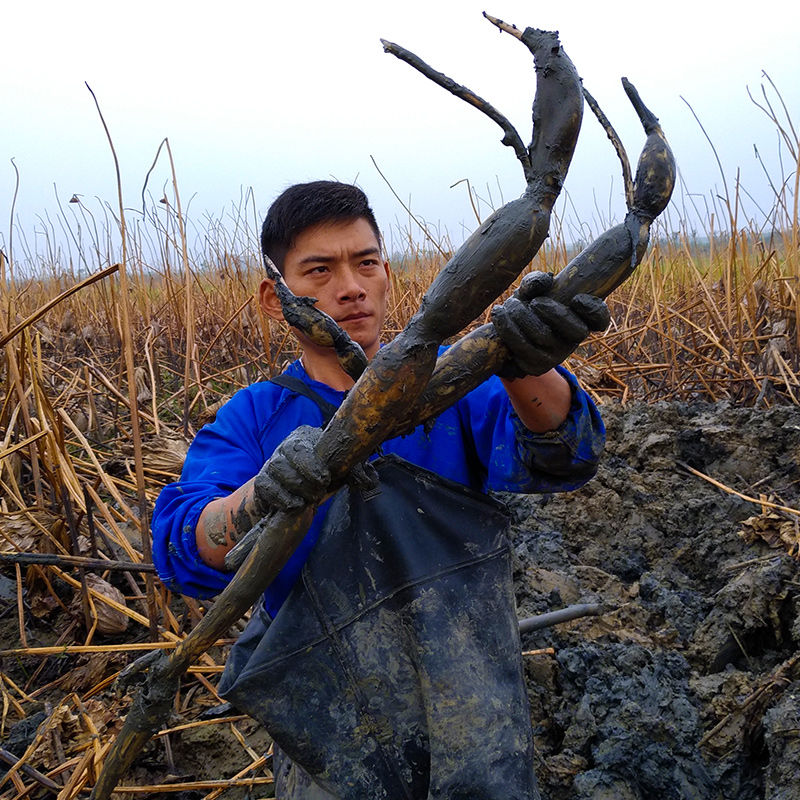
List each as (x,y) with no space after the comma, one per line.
(358,334)
(369,345)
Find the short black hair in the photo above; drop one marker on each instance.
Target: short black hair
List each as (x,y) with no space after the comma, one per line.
(306,204)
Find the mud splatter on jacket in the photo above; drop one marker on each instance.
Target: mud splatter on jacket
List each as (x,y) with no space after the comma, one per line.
(479,442)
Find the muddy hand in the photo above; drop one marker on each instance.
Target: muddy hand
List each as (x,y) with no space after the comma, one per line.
(294,476)
(541,332)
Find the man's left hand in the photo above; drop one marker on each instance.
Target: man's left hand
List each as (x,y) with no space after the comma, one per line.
(541,332)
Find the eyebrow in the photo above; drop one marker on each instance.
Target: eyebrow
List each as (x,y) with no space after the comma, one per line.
(368,251)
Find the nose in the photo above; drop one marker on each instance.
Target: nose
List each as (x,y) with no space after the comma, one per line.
(349,287)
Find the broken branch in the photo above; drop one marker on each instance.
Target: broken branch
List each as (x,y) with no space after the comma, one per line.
(51,559)
(627,180)
(510,136)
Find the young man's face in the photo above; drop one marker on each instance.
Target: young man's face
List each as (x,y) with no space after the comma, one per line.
(340,264)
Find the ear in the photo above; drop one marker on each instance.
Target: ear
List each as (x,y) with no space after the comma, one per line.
(268,300)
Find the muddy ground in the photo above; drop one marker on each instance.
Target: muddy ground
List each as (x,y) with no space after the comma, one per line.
(688,686)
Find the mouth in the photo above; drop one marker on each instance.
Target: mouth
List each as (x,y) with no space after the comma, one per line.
(355,317)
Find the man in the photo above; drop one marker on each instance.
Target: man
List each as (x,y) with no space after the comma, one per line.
(531,430)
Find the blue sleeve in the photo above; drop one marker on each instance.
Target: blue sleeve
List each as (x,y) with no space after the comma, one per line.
(175,555)
(222,457)
(516,459)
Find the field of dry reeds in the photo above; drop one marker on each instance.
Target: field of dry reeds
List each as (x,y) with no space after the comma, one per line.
(125,339)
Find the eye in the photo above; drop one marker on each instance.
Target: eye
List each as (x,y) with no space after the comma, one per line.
(320,269)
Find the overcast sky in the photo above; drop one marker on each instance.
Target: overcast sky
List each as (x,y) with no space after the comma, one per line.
(266,94)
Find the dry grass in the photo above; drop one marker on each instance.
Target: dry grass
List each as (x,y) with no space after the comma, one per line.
(699,321)
(695,323)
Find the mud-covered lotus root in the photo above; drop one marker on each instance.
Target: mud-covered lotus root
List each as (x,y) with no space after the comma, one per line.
(294,476)
(655,172)
(388,398)
(302,313)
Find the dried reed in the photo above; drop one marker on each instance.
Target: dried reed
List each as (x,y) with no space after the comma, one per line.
(109,369)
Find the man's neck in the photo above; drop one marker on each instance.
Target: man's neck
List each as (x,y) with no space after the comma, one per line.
(327,371)
(321,364)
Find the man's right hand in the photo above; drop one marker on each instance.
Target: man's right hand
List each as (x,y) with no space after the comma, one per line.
(294,476)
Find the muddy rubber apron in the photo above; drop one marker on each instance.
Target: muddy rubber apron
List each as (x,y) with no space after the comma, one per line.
(393,669)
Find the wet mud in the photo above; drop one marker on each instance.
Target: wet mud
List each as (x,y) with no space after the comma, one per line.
(689,685)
